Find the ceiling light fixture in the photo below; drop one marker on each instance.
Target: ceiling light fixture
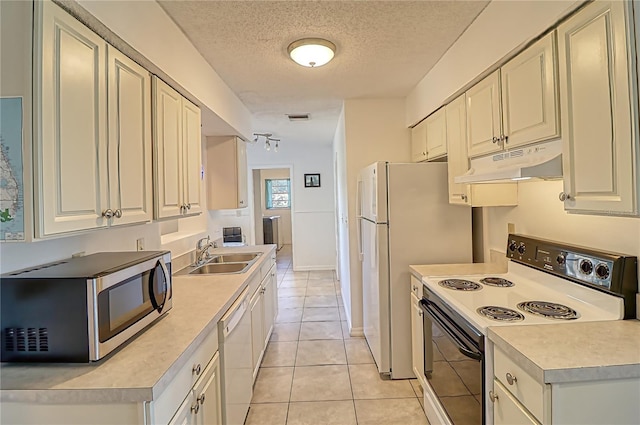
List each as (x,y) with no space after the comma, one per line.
(267,141)
(312,52)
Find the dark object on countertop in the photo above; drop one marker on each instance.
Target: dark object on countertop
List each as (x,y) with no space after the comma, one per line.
(231,234)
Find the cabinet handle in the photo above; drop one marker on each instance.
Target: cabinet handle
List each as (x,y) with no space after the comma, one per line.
(493,396)
(117,213)
(108,213)
(201,399)
(189,206)
(196,369)
(420,313)
(424,154)
(505,139)
(563,196)
(241,202)
(195,408)
(494,140)
(464,197)
(511,379)
(262,291)
(414,287)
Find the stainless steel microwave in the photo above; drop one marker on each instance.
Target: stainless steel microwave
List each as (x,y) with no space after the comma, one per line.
(81,309)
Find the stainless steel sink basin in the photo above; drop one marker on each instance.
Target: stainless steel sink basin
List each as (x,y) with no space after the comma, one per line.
(236,258)
(218,268)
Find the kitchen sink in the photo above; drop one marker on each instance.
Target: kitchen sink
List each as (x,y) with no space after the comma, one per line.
(216,268)
(236,258)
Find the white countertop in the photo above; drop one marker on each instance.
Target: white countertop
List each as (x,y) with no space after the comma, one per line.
(142,369)
(573,352)
(432,270)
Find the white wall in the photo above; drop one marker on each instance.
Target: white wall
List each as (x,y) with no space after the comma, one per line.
(284,225)
(313,211)
(501,27)
(374,130)
(540,213)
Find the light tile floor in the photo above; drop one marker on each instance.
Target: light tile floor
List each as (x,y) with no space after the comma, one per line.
(314,372)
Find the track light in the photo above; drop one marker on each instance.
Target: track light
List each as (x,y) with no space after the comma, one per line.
(267,141)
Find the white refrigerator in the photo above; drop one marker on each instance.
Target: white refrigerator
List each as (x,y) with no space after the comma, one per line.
(404,218)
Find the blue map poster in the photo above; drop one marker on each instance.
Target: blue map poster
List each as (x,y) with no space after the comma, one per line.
(11,166)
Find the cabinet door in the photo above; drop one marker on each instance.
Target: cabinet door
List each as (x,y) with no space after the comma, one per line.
(257,329)
(419,142)
(184,414)
(129,100)
(192,157)
(207,395)
(72,186)
(529,95)
(417,339)
(270,301)
(457,159)
(600,140)
(483,116)
(167,128)
(436,134)
(507,410)
(241,158)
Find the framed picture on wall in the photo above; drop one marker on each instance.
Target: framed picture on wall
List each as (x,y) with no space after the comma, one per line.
(312,180)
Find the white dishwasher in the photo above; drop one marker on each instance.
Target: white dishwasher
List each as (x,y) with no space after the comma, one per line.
(234,330)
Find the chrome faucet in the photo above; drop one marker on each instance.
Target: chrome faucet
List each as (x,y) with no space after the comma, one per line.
(202,250)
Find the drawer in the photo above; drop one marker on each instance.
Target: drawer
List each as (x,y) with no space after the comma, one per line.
(507,410)
(416,287)
(524,387)
(266,267)
(169,401)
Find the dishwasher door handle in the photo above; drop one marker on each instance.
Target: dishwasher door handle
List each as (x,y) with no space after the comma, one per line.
(232,317)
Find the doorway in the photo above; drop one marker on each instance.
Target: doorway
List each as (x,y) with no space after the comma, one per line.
(273,202)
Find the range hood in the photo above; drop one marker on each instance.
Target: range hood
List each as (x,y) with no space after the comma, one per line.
(540,161)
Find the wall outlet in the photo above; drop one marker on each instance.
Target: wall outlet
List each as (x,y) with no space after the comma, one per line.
(140,244)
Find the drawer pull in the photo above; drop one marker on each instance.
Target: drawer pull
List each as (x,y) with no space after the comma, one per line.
(493,396)
(415,287)
(196,369)
(201,399)
(195,408)
(511,379)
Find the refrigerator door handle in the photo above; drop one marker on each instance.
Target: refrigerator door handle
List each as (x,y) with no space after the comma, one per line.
(359,234)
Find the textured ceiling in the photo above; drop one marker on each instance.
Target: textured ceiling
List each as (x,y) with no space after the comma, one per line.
(384,48)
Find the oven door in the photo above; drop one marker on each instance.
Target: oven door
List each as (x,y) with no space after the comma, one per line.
(455,372)
(127,301)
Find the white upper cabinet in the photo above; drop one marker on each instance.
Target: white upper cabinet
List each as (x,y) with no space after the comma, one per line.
(419,142)
(72,132)
(599,116)
(177,154)
(484,126)
(226,173)
(129,157)
(429,138)
(476,195)
(436,134)
(93,146)
(529,95)
(517,104)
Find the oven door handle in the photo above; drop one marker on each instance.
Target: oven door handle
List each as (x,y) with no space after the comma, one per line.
(431,311)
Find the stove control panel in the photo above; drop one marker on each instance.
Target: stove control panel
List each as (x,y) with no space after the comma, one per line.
(609,272)
(583,265)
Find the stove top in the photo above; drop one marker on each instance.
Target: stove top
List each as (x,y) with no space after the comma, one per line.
(546,282)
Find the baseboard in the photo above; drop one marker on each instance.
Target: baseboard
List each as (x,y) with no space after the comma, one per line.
(313,268)
(356,332)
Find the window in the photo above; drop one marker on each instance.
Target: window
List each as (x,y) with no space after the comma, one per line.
(277,193)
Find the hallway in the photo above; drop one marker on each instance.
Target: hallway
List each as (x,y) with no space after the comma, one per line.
(314,373)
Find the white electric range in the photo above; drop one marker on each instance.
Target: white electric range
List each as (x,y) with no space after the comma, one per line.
(546,282)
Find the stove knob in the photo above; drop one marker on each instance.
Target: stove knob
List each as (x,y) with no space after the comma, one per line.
(512,246)
(561,259)
(522,248)
(586,266)
(602,271)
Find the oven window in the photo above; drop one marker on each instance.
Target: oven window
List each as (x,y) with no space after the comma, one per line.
(122,305)
(456,380)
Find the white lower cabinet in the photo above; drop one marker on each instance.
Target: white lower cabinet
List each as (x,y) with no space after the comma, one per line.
(264,309)
(520,398)
(202,404)
(417,334)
